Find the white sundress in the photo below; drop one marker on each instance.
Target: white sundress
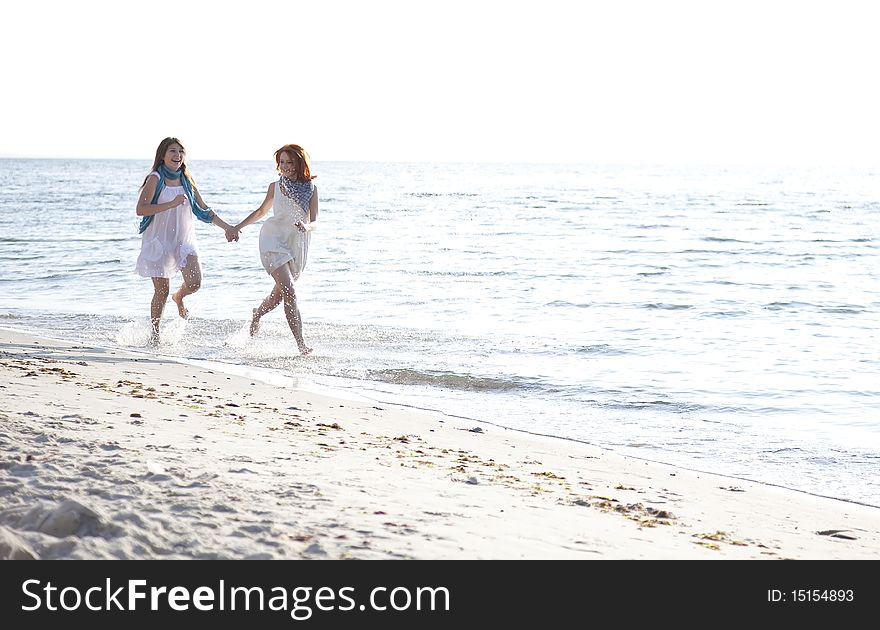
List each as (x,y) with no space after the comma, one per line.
(281,242)
(169,239)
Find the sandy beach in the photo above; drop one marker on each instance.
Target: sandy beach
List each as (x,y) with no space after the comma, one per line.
(108,454)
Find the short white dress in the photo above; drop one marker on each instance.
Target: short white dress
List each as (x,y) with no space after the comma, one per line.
(281,242)
(169,238)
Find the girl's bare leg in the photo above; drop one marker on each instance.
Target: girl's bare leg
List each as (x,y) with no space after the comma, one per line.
(272,300)
(284,282)
(192,281)
(157,306)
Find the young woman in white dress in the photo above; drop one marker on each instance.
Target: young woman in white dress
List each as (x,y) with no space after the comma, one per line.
(285,237)
(167,201)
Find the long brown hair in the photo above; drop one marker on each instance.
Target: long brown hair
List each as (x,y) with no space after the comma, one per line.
(302,169)
(161,150)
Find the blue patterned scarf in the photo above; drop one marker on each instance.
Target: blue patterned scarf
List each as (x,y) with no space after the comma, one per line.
(202,214)
(298,192)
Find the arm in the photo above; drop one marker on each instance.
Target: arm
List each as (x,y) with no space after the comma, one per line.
(260,212)
(216,220)
(313,206)
(145,208)
(313,213)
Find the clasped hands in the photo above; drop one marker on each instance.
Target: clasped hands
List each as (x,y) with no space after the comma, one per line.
(232,232)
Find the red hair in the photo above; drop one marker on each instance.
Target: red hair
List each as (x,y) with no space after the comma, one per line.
(302,169)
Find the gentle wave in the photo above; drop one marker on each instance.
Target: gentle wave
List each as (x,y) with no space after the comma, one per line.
(603,348)
(668,307)
(844,310)
(458,274)
(447,380)
(719,239)
(563,303)
(98,240)
(430,194)
(726,314)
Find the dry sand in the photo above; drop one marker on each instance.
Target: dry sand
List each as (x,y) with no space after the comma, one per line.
(108,454)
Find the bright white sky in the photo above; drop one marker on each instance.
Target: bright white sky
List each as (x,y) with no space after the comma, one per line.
(606,81)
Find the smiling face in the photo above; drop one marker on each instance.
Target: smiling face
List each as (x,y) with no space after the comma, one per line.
(174,156)
(292,162)
(287,164)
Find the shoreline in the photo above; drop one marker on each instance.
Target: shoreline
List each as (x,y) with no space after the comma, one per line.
(273,377)
(115,454)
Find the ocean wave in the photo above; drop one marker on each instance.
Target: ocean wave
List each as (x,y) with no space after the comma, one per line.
(74,272)
(566,303)
(666,406)
(430,194)
(103,239)
(719,239)
(714,252)
(843,310)
(667,307)
(778,306)
(446,380)
(652,273)
(458,274)
(602,348)
(16,239)
(651,226)
(65,240)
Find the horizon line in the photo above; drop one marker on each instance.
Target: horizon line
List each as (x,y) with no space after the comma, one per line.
(631,163)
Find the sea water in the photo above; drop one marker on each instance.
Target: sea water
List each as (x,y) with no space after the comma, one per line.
(722,319)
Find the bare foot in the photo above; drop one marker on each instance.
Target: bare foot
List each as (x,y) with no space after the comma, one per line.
(153,341)
(255,323)
(304,350)
(180,307)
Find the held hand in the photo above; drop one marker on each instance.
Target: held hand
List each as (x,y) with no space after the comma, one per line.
(231,234)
